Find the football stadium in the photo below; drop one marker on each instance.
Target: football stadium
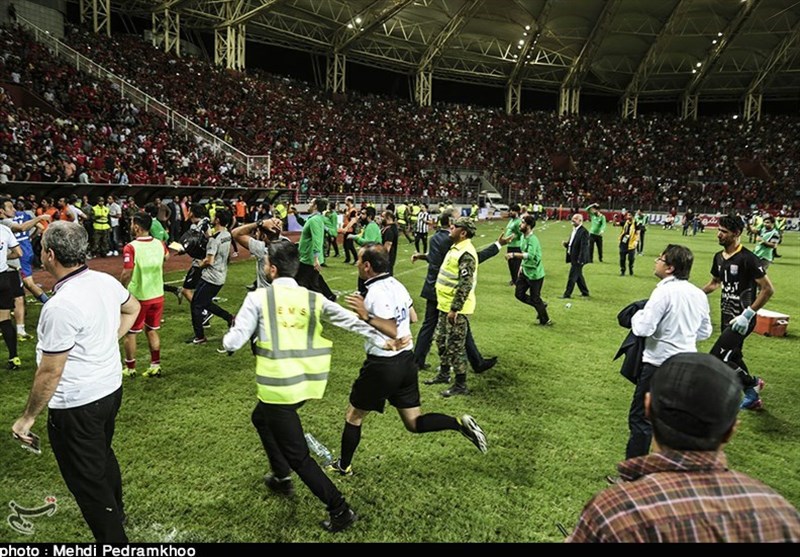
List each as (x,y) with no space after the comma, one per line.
(401,271)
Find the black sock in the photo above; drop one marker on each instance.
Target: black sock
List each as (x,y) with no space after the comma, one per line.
(461,379)
(351,437)
(10,336)
(436,422)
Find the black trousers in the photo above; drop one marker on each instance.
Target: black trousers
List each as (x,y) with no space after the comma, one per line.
(349,251)
(729,346)
(640,245)
(422,346)
(641,432)
(524,284)
(282,436)
(81,440)
(576,277)
(309,277)
(595,240)
(630,255)
(330,242)
(203,300)
(514,264)
(421,238)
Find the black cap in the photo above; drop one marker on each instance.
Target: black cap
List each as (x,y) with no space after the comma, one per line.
(696,395)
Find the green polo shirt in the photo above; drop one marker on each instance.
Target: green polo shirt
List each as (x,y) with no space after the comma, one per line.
(532,265)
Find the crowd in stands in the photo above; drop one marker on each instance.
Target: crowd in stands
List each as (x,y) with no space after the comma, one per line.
(381,145)
(91,134)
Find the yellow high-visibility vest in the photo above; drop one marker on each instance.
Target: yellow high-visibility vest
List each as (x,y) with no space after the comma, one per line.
(447,281)
(100,217)
(292,358)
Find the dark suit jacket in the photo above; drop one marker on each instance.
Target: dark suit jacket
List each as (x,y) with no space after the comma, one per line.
(438,246)
(578,252)
(632,347)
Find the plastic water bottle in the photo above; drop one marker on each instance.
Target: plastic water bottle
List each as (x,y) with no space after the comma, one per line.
(319,449)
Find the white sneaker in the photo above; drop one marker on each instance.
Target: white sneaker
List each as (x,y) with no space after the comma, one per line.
(109,253)
(116,253)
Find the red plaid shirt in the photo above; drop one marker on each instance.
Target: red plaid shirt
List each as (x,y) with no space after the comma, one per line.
(686,496)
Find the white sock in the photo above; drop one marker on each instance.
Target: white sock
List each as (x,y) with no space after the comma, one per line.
(21,330)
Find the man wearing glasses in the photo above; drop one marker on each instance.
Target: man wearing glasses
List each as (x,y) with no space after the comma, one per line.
(672,321)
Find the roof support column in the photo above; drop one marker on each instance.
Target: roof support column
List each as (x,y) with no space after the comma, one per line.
(513,98)
(101,16)
(689,107)
(569,100)
(229,47)
(167,27)
(752,107)
(423,88)
(630,106)
(83,7)
(335,79)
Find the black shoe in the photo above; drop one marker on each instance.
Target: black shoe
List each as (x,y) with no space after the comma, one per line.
(614,480)
(564,297)
(471,430)
(251,287)
(457,389)
(341,521)
(486,365)
(586,295)
(548,323)
(280,486)
(438,378)
(425,367)
(194,340)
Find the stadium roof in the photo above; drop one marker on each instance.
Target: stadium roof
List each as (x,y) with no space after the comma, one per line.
(656,49)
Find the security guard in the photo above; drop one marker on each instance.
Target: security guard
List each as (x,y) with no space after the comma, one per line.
(403,214)
(292,365)
(455,294)
(101,226)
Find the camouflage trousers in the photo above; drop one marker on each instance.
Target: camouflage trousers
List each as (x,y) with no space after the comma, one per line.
(100,242)
(451,341)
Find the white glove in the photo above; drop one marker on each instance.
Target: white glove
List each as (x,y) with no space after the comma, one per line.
(742,322)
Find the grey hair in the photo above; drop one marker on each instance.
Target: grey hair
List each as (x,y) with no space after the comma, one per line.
(69,242)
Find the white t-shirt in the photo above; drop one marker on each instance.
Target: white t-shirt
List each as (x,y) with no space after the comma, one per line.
(88,331)
(389,299)
(7,242)
(114,212)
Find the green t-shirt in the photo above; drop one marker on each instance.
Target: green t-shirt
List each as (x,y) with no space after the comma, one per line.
(311,240)
(332,223)
(371,233)
(157,231)
(597,223)
(532,265)
(763,251)
(513,228)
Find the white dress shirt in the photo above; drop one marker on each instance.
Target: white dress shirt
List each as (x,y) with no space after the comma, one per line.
(675,317)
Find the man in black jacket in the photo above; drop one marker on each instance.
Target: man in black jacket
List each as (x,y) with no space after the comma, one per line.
(438,245)
(577,256)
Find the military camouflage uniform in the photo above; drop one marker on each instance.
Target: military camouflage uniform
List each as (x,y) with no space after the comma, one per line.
(451,339)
